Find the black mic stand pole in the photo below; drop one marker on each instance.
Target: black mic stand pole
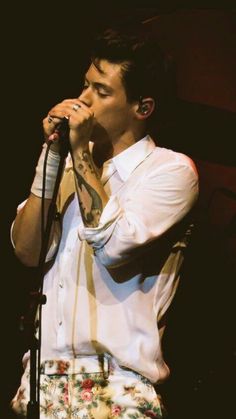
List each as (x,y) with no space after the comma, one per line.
(33,407)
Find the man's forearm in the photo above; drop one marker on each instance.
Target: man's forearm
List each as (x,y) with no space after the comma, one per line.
(26,231)
(91,194)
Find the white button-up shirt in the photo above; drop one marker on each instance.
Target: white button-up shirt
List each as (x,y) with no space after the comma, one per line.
(109,285)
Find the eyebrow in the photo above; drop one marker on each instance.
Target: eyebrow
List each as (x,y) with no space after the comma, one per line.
(98,85)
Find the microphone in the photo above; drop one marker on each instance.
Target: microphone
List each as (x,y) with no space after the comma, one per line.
(61,131)
(61,134)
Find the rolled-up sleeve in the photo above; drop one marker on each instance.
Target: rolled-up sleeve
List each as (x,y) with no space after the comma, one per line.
(154,203)
(98,236)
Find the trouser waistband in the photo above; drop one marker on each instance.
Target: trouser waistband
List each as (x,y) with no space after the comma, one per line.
(79,365)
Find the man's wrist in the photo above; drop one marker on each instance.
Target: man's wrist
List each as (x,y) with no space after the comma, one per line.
(53,161)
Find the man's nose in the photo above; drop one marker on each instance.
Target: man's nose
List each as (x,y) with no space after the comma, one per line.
(86,97)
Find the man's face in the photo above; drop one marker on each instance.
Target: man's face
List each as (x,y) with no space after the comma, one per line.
(105,95)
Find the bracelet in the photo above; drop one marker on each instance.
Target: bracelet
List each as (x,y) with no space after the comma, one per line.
(53,161)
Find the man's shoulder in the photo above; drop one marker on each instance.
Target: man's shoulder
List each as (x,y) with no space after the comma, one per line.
(162,157)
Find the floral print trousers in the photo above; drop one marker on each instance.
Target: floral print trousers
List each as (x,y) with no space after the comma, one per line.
(92,387)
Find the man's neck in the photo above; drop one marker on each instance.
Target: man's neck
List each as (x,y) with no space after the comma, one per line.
(127,140)
(107,150)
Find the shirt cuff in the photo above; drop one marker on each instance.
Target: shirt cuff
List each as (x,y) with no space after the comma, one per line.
(98,236)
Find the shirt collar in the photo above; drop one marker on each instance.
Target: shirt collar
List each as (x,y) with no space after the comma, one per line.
(129,159)
(126,161)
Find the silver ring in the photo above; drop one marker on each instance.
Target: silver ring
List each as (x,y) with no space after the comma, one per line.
(75,107)
(50,119)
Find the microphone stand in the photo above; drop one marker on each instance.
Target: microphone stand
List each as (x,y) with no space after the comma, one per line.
(38,298)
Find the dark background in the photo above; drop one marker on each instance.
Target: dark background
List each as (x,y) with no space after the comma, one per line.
(43,57)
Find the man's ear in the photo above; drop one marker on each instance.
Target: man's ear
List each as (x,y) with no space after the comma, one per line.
(144,107)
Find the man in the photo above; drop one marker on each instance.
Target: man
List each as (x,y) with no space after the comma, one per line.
(123,204)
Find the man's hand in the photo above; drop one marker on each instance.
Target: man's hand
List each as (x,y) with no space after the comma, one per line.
(80,119)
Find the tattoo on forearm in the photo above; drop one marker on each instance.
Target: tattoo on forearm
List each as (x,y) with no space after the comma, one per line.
(89,200)
(86,158)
